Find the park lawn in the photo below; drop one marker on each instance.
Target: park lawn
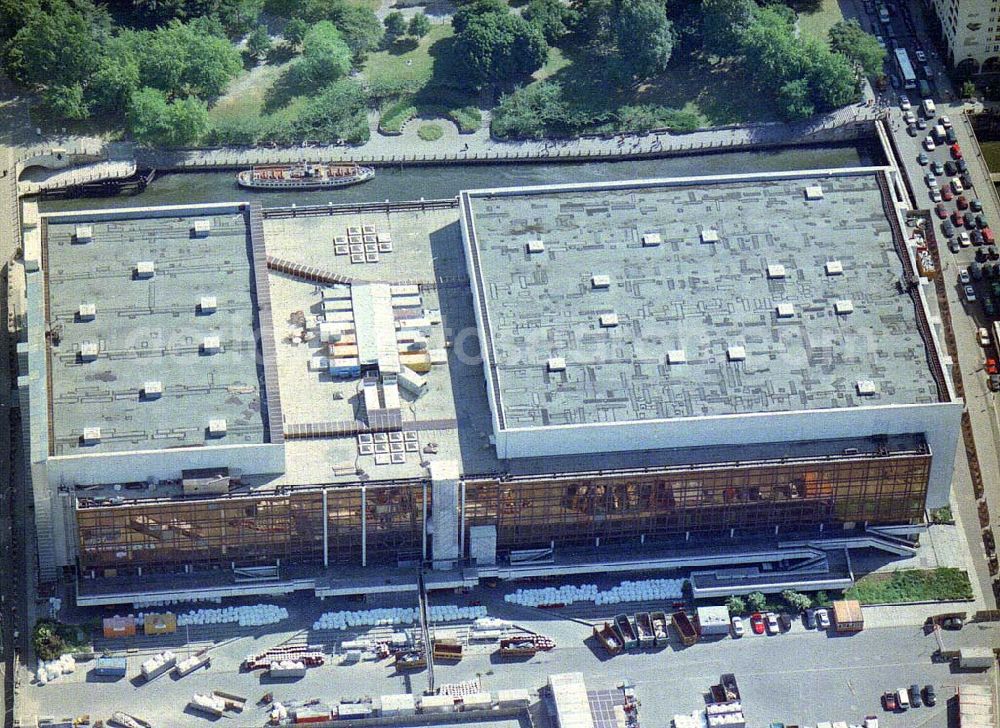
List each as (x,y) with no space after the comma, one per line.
(416,65)
(817,18)
(556,61)
(246,93)
(991,150)
(912,585)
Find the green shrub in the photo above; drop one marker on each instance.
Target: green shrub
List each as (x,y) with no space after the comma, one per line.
(430,132)
(468,119)
(942,515)
(912,585)
(391,120)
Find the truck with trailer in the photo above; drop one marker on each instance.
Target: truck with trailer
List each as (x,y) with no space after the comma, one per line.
(207,704)
(626,631)
(192,663)
(524,645)
(685,627)
(158,664)
(644,626)
(976,658)
(847,616)
(609,639)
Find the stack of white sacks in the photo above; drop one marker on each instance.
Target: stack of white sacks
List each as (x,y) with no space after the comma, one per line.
(627,591)
(251,616)
(278,713)
(49,671)
(394,615)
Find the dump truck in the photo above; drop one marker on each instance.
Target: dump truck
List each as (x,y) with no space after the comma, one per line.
(447,650)
(660,634)
(609,639)
(626,631)
(644,626)
(685,628)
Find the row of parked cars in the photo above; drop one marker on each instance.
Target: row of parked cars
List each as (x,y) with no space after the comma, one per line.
(761,622)
(904,699)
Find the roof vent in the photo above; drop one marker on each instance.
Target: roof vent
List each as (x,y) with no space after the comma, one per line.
(866,387)
(88,351)
(86,312)
(608,320)
(536,246)
(776,270)
(600,281)
(207,304)
(834,268)
(676,356)
(210,345)
(557,364)
(152,390)
(201,228)
(83,233)
(736,353)
(709,235)
(651,240)
(144,269)
(216,428)
(843,307)
(814,192)
(91,435)
(785,310)
(367,229)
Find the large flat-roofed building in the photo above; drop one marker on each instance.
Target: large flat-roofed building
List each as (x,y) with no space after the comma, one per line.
(153,350)
(694,312)
(969,31)
(524,381)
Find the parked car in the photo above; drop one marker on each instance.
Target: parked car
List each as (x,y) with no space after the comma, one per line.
(970,222)
(944,120)
(930,697)
(970,294)
(956,186)
(991,366)
(966,180)
(823,619)
(772,623)
(957,219)
(929,144)
(952,623)
(950,168)
(915,696)
(992,253)
(785,621)
(947,229)
(976,205)
(738,630)
(930,180)
(909,117)
(937,168)
(981,221)
(962,166)
(956,151)
(911,129)
(922,159)
(935,195)
(946,194)
(962,202)
(977,237)
(941,211)
(964,277)
(921,57)
(953,246)
(921,122)
(994,384)
(871,721)
(904,103)
(889,701)
(757,623)
(988,238)
(964,240)
(903,699)
(950,136)
(983,336)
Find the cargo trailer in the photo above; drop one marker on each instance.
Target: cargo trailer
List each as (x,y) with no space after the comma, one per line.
(847,616)
(192,663)
(156,666)
(447,650)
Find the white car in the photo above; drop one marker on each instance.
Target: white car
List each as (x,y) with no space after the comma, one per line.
(909,117)
(929,144)
(956,186)
(904,103)
(822,618)
(935,195)
(772,623)
(964,278)
(964,240)
(970,294)
(984,337)
(880,40)
(945,122)
(921,56)
(738,630)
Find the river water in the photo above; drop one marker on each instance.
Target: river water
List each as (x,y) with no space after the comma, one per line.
(413,183)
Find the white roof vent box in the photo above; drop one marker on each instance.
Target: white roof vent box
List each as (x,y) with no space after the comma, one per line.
(834,268)
(557,364)
(814,192)
(843,307)
(676,356)
(91,435)
(736,353)
(83,234)
(776,271)
(216,428)
(866,388)
(201,228)
(207,304)
(86,312)
(608,320)
(152,390)
(145,269)
(651,240)
(210,345)
(709,235)
(600,281)
(88,351)
(535,246)
(785,310)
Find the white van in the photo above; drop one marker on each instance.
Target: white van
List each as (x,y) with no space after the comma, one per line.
(903,698)
(929,109)
(940,134)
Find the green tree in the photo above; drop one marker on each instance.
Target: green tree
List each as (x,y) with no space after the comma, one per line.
(395,26)
(793,100)
(725,21)
(154,120)
(258,43)
(736,605)
(13,15)
(236,16)
(848,38)
(553,17)
(337,113)
(644,38)
(186,58)
(756,601)
(65,102)
(530,112)
(420,25)
(771,52)
(500,48)
(295,31)
(968,90)
(593,22)
(325,55)
(115,80)
(475,9)
(797,600)
(57,46)
(832,80)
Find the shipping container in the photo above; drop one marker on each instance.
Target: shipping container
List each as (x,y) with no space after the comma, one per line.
(159,664)
(111,667)
(644,626)
(626,631)
(165,623)
(190,664)
(115,627)
(609,639)
(847,616)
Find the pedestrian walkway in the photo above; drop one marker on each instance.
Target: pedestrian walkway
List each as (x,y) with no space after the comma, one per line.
(61,178)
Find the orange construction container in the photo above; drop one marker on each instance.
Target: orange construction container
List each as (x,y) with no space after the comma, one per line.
(159,623)
(119,627)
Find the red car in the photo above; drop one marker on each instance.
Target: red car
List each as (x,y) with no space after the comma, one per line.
(941,210)
(956,151)
(946,194)
(889,701)
(958,219)
(988,237)
(962,202)
(992,367)
(757,623)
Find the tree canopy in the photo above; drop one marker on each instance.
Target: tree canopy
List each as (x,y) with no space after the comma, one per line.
(725,22)
(848,38)
(154,119)
(553,17)
(58,46)
(499,47)
(643,36)
(395,26)
(419,26)
(325,54)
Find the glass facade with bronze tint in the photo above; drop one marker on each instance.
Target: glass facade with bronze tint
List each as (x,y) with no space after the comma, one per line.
(577,509)
(253,530)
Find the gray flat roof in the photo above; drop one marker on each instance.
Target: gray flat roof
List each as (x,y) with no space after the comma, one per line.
(153,330)
(691,296)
